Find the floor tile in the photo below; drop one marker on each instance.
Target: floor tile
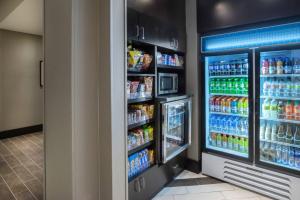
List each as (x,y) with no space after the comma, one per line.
(201,196)
(4,168)
(26,195)
(239,194)
(172,191)
(36,188)
(187,175)
(5,193)
(163,198)
(14,183)
(23,173)
(210,188)
(11,160)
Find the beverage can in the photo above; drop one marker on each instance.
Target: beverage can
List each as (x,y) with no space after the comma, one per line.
(279,66)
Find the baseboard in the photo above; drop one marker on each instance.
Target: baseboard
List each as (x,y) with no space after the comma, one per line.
(21,131)
(193,166)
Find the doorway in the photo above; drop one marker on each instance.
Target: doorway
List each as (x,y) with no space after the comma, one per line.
(21,99)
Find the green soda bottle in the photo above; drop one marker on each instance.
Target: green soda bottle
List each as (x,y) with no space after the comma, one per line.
(217,86)
(236,86)
(242,145)
(230,142)
(223,86)
(212,86)
(242,86)
(229,86)
(246,86)
(236,143)
(219,140)
(246,145)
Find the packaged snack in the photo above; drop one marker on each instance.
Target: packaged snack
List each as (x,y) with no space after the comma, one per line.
(128,88)
(146,134)
(142,90)
(151,157)
(148,83)
(134,88)
(134,58)
(150,111)
(147,59)
(159,58)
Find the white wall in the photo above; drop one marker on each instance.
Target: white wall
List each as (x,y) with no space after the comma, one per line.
(192,74)
(21,94)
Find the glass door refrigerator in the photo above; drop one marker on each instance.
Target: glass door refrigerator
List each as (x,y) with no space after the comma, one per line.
(228,104)
(278,108)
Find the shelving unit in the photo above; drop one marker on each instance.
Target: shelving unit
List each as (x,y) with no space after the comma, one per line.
(232,134)
(281,120)
(139,124)
(280,98)
(281,143)
(228,114)
(229,95)
(170,67)
(279,75)
(229,76)
(140,100)
(139,148)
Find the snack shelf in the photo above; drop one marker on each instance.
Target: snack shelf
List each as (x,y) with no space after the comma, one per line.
(142,172)
(281,143)
(280,120)
(228,114)
(279,75)
(138,124)
(140,148)
(232,134)
(169,67)
(229,95)
(140,100)
(229,76)
(130,74)
(280,98)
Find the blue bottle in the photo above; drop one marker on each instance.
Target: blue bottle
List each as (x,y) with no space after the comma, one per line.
(278,154)
(291,157)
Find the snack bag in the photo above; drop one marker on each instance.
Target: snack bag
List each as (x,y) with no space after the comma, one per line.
(146,134)
(147,59)
(148,83)
(150,133)
(134,89)
(150,111)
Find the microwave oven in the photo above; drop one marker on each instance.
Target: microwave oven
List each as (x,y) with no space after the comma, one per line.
(167,83)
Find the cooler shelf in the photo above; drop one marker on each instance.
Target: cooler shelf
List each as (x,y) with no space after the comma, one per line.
(279,75)
(281,143)
(281,165)
(230,76)
(280,98)
(229,95)
(281,120)
(229,114)
(232,134)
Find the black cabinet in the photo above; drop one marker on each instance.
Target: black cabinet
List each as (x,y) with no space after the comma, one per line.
(132,24)
(149,29)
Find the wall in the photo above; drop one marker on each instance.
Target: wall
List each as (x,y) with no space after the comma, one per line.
(219,14)
(21,95)
(192,75)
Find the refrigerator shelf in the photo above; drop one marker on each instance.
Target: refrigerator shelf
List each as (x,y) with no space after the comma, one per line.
(229,114)
(138,124)
(281,165)
(140,148)
(229,95)
(228,151)
(279,75)
(281,143)
(174,137)
(280,98)
(229,76)
(232,134)
(281,120)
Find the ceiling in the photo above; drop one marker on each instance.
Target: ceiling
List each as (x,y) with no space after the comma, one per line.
(22,16)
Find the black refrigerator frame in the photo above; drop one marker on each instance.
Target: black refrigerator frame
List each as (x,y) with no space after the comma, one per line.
(250,53)
(257,160)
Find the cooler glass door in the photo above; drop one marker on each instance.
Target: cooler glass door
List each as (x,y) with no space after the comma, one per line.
(175,128)
(228,103)
(278,130)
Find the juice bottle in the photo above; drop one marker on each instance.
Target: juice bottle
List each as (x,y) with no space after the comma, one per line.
(219,140)
(281,133)
(272,66)
(297,110)
(230,142)
(241,106)
(224,141)
(234,106)
(279,66)
(223,105)
(245,107)
(236,143)
(213,139)
(265,66)
(289,110)
(218,104)
(246,144)
(242,145)
(212,104)
(281,110)
(273,109)
(297,136)
(228,104)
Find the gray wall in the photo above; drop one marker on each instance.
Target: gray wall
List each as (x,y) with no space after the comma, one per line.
(21,103)
(192,74)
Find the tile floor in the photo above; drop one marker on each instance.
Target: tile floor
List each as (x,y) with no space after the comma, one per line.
(213,190)
(21,167)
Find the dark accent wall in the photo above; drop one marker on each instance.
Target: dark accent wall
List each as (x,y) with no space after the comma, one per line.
(214,15)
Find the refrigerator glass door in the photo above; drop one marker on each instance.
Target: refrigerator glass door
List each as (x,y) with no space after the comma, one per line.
(279,108)
(227,111)
(176,128)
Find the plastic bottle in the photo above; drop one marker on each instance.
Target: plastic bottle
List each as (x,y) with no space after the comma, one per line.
(265,66)
(261,150)
(272,66)
(236,143)
(297,136)
(281,87)
(212,104)
(289,108)
(245,67)
(274,109)
(231,125)
(277,91)
(227,68)
(217,69)
(234,106)
(266,87)
(236,124)
(229,86)
(246,86)
(245,107)
(272,157)
(230,142)
(219,140)
(288,89)
(267,148)
(266,108)
(246,125)
(284,155)
(297,158)
(281,110)
(291,157)
(296,66)
(281,133)
(274,132)
(218,123)
(222,68)
(242,145)
(217,86)
(233,68)
(278,154)
(239,69)
(297,110)
(223,105)
(212,86)
(224,141)
(228,105)
(236,86)
(226,126)
(287,66)
(241,106)
(223,124)
(272,88)
(297,88)
(279,66)
(223,86)
(262,129)
(246,144)
(242,88)
(213,140)
(268,132)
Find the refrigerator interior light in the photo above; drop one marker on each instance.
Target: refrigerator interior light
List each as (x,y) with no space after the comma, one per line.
(266,36)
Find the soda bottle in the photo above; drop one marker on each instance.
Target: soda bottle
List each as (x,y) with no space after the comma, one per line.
(297,136)
(277,88)
(246,85)
(284,155)
(262,129)
(217,69)
(281,133)
(297,158)
(223,104)
(219,140)
(266,87)
(265,66)
(218,104)
(289,110)
(246,144)
(234,106)
(273,109)
(222,68)
(272,66)
(228,105)
(236,86)
(296,66)
(213,139)
(230,142)
(279,66)
(239,67)
(212,86)
(212,104)
(242,145)
(223,86)
(217,86)
(287,66)
(224,141)
(291,157)
(245,107)
(241,106)
(211,69)
(280,109)
(274,132)
(273,153)
(278,154)
(236,143)
(268,132)
(266,108)
(297,110)
(227,68)
(242,86)
(245,67)
(233,68)
(272,88)
(229,86)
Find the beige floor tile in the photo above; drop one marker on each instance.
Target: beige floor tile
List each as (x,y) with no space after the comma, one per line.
(187,175)
(172,191)
(201,196)
(239,194)
(210,188)
(170,197)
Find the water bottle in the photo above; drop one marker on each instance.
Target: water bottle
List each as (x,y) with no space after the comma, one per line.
(291,157)
(246,125)
(272,88)
(284,155)
(262,150)
(268,132)
(211,69)
(212,122)
(266,87)
(236,123)
(273,152)
(223,124)
(297,158)
(262,131)
(274,132)
(278,154)
(218,123)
